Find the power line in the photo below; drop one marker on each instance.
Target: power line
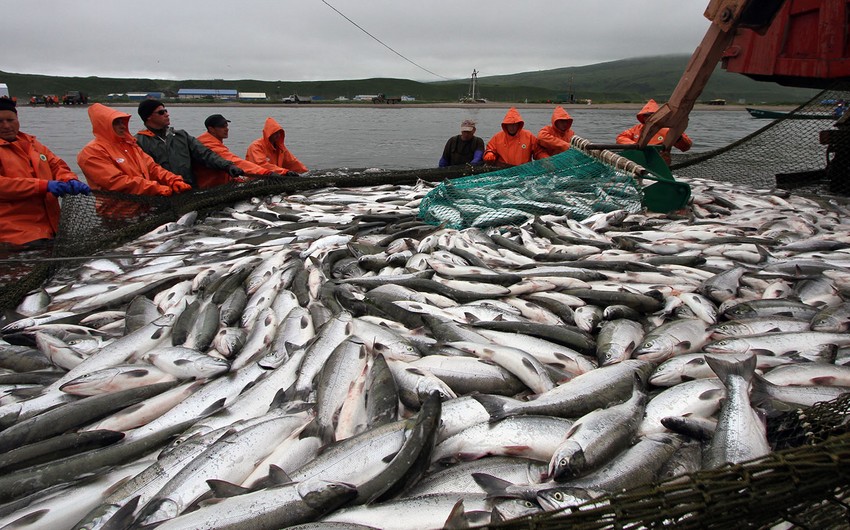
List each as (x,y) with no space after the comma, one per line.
(382,43)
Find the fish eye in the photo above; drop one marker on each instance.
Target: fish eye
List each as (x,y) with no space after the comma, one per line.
(558,496)
(529,504)
(563,462)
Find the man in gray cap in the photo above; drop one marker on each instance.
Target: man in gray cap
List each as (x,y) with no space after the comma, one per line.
(465,148)
(175,149)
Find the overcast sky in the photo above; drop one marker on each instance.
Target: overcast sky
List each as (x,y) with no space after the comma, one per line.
(308,40)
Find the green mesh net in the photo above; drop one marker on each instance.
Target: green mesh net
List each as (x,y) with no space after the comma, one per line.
(571,183)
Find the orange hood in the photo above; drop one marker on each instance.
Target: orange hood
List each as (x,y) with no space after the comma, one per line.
(650,108)
(561,114)
(270,127)
(102,117)
(512,116)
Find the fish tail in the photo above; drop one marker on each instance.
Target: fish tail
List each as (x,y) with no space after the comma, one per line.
(493,486)
(724,368)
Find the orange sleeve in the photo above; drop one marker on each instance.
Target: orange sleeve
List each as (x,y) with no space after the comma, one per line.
(250,168)
(630,136)
(684,142)
(291,163)
(552,143)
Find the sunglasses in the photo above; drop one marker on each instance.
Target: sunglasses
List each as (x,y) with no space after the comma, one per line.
(162,112)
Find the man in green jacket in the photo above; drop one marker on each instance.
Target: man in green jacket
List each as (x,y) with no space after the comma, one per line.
(175,149)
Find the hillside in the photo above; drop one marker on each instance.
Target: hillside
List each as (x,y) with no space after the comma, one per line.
(628,80)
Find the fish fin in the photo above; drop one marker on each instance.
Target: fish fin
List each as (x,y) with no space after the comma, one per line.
(389,458)
(278,475)
(492,486)
(123,517)
(457,517)
(212,409)
(29,519)
(516,450)
(222,489)
(494,405)
(827,380)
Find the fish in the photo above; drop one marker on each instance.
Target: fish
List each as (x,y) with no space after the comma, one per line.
(740,434)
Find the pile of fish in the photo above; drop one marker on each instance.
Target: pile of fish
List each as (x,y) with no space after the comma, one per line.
(327,360)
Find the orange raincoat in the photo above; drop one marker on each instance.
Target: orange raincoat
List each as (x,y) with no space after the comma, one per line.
(27,211)
(206,177)
(513,150)
(551,139)
(275,158)
(115,163)
(631,136)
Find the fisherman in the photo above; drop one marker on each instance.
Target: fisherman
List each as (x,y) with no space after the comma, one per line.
(175,149)
(270,151)
(213,139)
(555,138)
(465,148)
(113,160)
(33,177)
(513,145)
(631,136)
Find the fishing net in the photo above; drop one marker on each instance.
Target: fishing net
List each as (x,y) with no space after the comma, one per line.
(805,483)
(571,183)
(792,151)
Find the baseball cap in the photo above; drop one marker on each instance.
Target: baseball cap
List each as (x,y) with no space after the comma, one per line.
(467,125)
(216,120)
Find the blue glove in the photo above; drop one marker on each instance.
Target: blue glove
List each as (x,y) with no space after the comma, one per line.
(235,171)
(443,162)
(58,188)
(78,187)
(477,158)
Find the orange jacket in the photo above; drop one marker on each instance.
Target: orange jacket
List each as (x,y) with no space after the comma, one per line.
(206,177)
(551,139)
(513,150)
(631,136)
(275,158)
(116,163)
(27,211)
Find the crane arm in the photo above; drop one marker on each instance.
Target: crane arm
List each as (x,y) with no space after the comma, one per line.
(726,16)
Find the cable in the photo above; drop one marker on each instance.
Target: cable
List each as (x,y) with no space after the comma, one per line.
(382,43)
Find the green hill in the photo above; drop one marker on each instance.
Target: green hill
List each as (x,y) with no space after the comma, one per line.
(627,80)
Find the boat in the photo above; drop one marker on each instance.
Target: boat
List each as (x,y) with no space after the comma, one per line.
(776,115)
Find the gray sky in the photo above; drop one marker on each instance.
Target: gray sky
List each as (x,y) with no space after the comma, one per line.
(307,40)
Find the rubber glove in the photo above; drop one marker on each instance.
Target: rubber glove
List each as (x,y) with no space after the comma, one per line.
(443,162)
(165,191)
(489,156)
(78,187)
(292,174)
(476,158)
(179,186)
(58,188)
(235,171)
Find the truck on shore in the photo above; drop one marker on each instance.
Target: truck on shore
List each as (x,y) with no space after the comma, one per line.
(74,97)
(389,100)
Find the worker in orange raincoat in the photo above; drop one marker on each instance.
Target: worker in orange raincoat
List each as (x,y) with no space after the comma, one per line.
(113,161)
(631,136)
(213,139)
(555,138)
(31,179)
(270,151)
(513,145)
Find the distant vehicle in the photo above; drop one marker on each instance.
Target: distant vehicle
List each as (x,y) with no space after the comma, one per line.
(74,97)
(295,98)
(383,98)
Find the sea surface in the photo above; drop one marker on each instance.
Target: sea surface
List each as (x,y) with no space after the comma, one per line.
(386,137)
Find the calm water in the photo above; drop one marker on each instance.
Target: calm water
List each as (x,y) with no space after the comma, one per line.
(394,137)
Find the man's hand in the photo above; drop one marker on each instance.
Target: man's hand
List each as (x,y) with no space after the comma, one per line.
(58,188)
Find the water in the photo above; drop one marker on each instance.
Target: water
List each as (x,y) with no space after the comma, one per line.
(388,137)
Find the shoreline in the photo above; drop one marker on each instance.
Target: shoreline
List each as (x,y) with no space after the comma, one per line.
(489,105)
